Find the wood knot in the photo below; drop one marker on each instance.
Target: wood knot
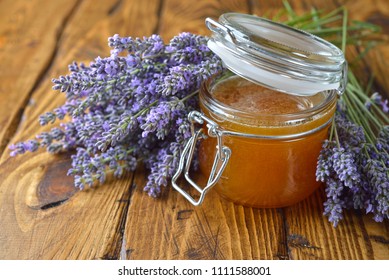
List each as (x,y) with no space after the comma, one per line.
(56,187)
(184,214)
(299,241)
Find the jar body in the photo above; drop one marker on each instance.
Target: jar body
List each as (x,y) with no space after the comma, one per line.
(273,156)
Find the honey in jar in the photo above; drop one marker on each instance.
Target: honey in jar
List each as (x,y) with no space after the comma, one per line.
(276,142)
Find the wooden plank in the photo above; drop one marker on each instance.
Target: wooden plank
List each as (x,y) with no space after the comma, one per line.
(180,16)
(28,38)
(42,215)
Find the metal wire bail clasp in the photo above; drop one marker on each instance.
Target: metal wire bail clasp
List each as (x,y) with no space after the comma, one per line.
(222,156)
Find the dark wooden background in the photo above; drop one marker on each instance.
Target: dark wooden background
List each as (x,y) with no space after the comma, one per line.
(42,216)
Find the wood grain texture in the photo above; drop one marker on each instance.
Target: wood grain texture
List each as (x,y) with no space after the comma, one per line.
(57,222)
(28,39)
(172,228)
(42,216)
(179,16)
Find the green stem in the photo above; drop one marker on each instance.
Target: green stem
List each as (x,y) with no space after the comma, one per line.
(289,9)
(357,119)
(278,15)
(332,129)
(353,81)
(344,32)
(375,107)
(336,136)
(350,112)
(145,109)
(363,109)
(298,19)
(320,22)
(332,30)
(189,96)
(369,85)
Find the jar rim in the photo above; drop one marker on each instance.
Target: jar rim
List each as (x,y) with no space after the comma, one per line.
(219,107)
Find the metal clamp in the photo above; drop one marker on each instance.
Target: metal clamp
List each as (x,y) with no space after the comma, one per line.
(221,158)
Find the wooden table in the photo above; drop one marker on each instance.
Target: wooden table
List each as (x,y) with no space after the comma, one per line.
(42,216)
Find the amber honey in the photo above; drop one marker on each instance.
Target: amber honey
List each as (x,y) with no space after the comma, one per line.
(276,145)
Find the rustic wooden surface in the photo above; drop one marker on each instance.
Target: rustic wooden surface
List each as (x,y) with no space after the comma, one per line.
(42,216)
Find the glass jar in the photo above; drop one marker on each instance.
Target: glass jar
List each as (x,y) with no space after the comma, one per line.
(263,127)
(274,138)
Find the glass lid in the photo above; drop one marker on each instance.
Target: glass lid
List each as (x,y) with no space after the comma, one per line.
(277,56)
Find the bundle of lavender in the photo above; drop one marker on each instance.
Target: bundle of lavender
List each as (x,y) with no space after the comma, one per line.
(132,107)
(128,108)
(354,161)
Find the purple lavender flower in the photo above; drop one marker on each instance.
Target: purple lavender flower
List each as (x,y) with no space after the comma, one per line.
(23,147)
(158,120)
(333,207)
(324,169)
(377,99)
(111,68)
(350,134)
(336,167)
(162,167)
(345,168)
(378,176)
